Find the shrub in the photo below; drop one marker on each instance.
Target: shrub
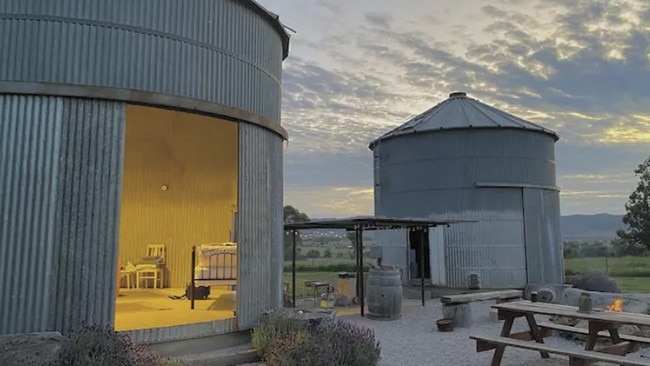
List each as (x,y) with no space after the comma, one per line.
(570,272)
(295,349)
(276,325)
(98,346)
(284,338)
(595,281)
(347,344)
(312,254)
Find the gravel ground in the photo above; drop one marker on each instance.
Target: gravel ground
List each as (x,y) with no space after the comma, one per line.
(415,340)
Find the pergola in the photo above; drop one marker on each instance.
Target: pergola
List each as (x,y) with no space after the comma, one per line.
(359,225)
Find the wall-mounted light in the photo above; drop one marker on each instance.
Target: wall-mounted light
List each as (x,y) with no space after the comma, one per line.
(164,187)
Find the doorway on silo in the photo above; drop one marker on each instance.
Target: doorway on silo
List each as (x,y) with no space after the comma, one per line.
(417,255)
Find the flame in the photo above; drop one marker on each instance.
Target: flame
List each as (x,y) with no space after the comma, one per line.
(616,306)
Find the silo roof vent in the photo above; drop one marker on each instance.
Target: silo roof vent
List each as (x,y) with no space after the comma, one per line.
(457,95)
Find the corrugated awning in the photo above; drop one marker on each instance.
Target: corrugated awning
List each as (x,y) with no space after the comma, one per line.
(371,223)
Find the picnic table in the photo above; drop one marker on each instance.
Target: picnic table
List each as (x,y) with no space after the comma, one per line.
(601,324)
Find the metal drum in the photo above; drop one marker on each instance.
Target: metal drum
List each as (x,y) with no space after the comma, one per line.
(384,294)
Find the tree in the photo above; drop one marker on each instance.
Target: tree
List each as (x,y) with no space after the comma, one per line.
(625,248)
(352,237)
(637,218)
(292,215)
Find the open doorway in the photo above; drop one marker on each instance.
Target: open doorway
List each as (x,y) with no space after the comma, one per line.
(415,237)
(180,190)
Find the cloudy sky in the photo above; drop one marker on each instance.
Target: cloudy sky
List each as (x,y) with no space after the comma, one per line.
(359,68)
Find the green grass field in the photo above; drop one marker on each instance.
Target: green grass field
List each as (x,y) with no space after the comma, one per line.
(631,273)
(616,267)
(634,284)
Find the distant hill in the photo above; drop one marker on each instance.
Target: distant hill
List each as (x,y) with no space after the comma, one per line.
(599,226)
(578,227)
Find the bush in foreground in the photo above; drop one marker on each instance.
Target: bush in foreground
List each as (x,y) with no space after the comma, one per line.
(102,346)
(285,338)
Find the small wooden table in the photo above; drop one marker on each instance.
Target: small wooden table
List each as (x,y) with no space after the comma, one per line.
(602,324)
(316,285)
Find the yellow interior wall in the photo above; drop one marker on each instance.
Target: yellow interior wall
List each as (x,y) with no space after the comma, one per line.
(196,156)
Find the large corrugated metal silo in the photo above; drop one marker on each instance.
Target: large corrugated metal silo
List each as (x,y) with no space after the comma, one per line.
(72,79)
(463,159)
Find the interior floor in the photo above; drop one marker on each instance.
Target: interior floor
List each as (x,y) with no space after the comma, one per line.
(152,308)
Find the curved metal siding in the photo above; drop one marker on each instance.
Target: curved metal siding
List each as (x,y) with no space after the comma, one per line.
(60,174)
(222,52)
(88,213)
(435,175)
(546,259)
(29,168)
(461,158)
(260,257)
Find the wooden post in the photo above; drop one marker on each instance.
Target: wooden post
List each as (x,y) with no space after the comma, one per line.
(293,268)
(359,240)
(422,264)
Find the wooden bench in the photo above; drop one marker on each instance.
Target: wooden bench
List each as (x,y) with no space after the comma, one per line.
(584,331)
(457,307)
(576,357)
(503,295)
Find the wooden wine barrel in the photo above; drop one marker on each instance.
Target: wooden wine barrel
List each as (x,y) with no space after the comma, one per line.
(384,293)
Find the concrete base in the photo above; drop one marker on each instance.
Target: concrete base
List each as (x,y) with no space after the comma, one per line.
(226,357)
(195,346)
(460,313)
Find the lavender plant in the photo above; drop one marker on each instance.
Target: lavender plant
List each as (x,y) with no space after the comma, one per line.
(276,325)
(296,349)
(284,339)
(102,346)
(348,343)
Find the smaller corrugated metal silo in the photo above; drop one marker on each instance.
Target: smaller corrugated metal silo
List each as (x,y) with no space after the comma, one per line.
(463,159)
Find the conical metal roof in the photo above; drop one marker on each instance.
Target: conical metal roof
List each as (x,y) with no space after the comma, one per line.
(462,112)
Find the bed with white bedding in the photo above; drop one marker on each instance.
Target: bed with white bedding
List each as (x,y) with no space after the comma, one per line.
(215,264)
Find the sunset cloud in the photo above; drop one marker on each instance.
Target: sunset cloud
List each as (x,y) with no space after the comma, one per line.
(358,69)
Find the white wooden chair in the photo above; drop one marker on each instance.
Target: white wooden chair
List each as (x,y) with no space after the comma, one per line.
(153,273)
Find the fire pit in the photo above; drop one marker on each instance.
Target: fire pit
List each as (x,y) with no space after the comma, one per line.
(617,305)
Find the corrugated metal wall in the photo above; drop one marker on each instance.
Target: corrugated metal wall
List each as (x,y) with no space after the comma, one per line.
(260,223)
(493,247)
(218,51)
(60,166)
(88,213)
(29,177)
(276,233)
(544,249)
(221,52)
(394,247)
(196,157)
(436,175)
